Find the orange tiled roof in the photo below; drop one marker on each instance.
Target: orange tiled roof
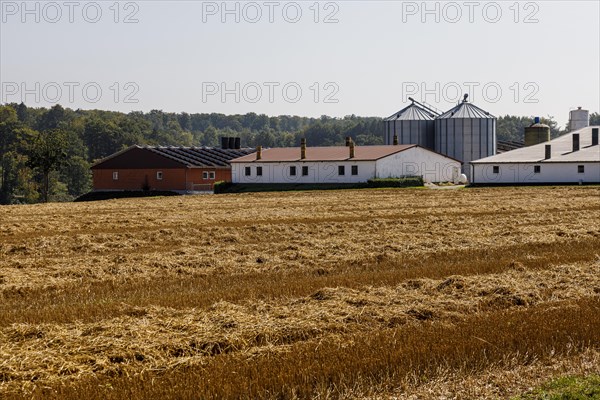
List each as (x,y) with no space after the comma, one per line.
(332,153)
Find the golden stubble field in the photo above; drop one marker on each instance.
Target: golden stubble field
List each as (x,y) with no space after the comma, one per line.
(472,293)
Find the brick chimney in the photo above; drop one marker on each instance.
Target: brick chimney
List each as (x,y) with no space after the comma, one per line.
(351,149)
(302,148)
(258,153)
(548,154)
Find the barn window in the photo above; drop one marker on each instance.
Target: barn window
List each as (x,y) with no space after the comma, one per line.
(341,170)
(581,169)
(205,175)
(293,170)
(159,175)
(537,169)
(247,171)
(305,171)
(116,176)
(258,171)
(355,170)
(496,169)
(211,175)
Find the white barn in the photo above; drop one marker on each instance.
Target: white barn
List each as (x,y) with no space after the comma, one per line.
(343,164)
(571,158)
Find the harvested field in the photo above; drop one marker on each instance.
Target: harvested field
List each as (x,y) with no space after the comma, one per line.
(369,293)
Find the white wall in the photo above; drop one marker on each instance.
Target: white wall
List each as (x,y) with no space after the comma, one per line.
(415,161)
(418,161)
(318,172)
(524,173)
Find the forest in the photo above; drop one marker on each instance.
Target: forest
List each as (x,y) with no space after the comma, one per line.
(46,153)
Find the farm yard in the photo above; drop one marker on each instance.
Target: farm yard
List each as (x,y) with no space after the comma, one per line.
(469,293)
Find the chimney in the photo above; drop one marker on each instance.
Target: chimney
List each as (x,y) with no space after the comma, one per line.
(258,153)
(348,140)
(548,154)
(238,143)
(302,148)
(224,142)
(395,140)
(351,149)
(594,136)
(575,142)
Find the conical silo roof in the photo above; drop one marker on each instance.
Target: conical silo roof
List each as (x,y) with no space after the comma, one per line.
(466,110)
(413,112)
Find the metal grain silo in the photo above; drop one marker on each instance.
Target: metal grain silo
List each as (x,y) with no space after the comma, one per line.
(578,119)
(412,125)
(536,133)
(466,133)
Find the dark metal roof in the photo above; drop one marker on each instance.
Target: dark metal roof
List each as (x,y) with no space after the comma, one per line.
(508,145)
(413,112)
(466,110)
(191,157)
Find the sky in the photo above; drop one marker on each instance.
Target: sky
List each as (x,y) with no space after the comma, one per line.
(303,58)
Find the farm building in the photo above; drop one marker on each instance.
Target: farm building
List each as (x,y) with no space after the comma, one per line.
(343,164)
(183,169)
(571,158)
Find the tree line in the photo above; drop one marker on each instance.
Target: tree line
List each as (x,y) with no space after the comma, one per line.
(46,153)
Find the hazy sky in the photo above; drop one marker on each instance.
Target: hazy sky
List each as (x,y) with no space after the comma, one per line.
(303,58)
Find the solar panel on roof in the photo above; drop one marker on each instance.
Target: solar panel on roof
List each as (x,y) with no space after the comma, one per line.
(199,156)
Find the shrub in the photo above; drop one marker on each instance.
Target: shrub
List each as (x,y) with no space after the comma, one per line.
(221,186)
(405,181)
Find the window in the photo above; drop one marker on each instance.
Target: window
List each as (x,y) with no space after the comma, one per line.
(304,171)
(115,176)
(247,171)
(581,169)
(537,169)
(205,175)
(159,176)
(258,171)
(355,170)
(341,170)
(292,171)
(496,169)
(211,175)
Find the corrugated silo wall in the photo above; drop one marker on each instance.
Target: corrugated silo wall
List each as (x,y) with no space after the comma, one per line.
(419,132)
(466,139)
(388,132)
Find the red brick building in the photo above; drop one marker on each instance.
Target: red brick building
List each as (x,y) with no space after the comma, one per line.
(165,168)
